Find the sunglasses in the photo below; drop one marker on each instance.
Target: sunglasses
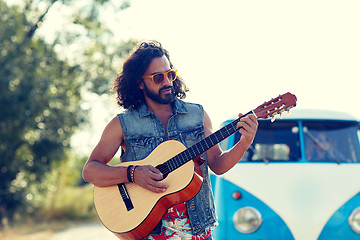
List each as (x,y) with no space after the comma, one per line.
(159,77)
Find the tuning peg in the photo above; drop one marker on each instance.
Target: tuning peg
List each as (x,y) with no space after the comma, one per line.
(272,118)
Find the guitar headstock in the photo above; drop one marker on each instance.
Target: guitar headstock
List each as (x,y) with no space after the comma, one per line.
(276,106)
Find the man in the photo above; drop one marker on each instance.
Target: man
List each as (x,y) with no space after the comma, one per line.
(150,90)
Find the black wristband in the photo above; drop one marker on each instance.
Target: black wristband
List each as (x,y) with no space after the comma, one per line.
(128,173)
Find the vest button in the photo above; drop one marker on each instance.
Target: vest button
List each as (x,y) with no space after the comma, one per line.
(161,139)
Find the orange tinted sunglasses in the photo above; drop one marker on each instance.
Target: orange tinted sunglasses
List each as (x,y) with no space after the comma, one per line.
(159,77)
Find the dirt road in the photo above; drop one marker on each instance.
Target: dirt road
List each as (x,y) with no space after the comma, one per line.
(89,231)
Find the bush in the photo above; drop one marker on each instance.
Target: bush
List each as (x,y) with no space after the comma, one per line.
(62,194)
(72,203)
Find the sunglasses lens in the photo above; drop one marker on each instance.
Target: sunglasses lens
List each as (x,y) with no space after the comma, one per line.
(171,75)
(158,78)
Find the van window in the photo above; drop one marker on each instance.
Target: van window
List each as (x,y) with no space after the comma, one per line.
(277,141)
(332,141)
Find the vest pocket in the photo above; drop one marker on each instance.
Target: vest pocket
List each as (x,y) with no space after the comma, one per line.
(192,137)
(141,148)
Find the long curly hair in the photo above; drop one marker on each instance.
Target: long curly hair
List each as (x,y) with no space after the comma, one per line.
(126,84)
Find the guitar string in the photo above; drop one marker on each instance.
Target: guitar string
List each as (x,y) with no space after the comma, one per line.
(200,147)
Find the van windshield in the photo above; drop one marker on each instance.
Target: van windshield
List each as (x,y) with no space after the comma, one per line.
(277,141)
(332,141)
(324,141)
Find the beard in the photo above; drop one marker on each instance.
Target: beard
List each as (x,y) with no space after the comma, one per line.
(156,97)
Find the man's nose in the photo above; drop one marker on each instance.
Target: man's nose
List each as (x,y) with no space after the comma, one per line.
(166,80)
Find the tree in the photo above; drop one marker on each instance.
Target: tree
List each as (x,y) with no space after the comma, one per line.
(40,93)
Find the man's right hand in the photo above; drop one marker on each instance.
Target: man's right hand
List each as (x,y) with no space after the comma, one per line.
(149,178)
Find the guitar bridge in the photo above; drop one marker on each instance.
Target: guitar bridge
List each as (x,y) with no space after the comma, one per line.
(125,196)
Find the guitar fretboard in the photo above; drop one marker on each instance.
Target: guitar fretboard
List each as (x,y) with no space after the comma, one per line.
(200,147)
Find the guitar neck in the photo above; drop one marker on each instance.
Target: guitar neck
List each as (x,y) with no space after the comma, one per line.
(214,138)
(200,147)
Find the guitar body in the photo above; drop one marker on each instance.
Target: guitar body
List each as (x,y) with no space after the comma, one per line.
(149,207)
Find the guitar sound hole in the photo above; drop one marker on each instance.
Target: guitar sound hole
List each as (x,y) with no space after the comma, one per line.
(163,169)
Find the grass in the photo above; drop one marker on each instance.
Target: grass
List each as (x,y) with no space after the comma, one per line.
(57,205)
(70,206)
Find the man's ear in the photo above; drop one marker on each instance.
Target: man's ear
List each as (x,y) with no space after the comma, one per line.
(141,85)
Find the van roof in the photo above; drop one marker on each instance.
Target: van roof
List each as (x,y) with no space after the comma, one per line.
(318,114)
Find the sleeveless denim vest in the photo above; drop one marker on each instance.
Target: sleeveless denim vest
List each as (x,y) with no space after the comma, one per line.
(143,132)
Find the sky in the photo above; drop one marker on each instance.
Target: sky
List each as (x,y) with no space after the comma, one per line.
(236,54)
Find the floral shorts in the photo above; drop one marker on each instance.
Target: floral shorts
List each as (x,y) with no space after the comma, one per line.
(176,225)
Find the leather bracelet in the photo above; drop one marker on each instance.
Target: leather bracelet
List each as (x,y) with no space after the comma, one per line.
(128,173)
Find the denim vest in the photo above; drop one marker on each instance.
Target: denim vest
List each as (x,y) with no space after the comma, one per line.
(143,132)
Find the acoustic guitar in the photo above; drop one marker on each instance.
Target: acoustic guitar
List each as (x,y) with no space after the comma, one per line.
(132,212)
